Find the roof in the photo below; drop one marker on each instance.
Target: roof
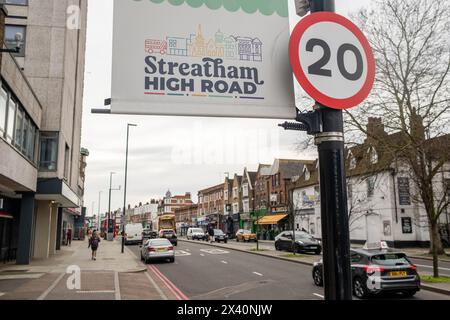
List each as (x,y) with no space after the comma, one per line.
(374,252)
(219,186)
(264,170)
(288,167)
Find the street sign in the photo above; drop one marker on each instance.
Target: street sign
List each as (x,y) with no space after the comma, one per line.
(332,60)
(202,58)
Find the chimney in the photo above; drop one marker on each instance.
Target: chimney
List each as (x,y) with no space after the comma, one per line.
(375,128)
(417,128)
(188,195)
(140,204)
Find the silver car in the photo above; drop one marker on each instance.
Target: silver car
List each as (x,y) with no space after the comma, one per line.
(157,249)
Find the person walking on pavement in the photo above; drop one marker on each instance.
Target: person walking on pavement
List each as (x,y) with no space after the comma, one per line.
(69,237)
(93,243)
(211,233)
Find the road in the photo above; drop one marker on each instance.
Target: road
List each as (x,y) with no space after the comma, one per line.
(202,272)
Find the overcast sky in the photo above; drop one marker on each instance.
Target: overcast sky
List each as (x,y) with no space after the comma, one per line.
(183,154)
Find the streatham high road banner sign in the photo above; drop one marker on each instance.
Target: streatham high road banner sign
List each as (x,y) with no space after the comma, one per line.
(220,58)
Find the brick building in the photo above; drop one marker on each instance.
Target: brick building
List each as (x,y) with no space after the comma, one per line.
(211,206)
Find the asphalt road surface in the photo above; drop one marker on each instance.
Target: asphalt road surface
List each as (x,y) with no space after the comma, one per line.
(202,272)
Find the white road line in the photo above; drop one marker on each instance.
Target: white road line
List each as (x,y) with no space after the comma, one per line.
(224,262)
(54,284)
(161,294)
(202,254)
(117,285)
(2,294)
(258,274)
(318,295)
(425,266)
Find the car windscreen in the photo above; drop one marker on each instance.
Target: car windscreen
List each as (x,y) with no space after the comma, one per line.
(390,259)
(218,232)
(303,235)
(197,230)
(160,242)
(246,232)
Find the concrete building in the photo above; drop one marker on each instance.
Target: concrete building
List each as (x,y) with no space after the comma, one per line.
(46,83)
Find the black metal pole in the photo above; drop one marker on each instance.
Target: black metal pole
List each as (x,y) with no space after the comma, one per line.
(334,211)
(109,205)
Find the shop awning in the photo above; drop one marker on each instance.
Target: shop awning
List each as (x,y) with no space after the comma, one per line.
(271,219)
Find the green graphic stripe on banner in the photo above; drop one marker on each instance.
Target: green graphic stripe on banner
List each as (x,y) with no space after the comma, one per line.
(266,7)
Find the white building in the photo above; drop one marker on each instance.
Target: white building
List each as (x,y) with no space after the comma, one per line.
(382,201)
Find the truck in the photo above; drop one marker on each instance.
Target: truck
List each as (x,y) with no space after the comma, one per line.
(167,221)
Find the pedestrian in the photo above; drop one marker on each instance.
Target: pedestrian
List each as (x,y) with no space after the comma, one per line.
(69,237)
(93,243)
(211,233)
(89,234)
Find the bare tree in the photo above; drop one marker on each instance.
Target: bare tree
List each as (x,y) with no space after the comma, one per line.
(410,40)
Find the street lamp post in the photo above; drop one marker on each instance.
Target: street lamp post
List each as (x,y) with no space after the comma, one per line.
(125,187)
(98,218)
(109,235)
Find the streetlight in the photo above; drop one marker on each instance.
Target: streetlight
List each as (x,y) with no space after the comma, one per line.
(125,187)
(109,236)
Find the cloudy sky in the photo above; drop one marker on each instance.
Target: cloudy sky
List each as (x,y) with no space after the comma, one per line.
(183,154)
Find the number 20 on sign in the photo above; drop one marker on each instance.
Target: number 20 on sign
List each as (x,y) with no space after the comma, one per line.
(332,60)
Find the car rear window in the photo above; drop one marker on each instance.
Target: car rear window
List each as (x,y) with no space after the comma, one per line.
(246,231)
(197,230)
(218,232)
(160,242)
(390,259)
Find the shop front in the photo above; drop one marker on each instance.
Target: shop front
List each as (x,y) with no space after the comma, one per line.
(9,228)
(202,222)
(269,226)
(245,222)
(236,222)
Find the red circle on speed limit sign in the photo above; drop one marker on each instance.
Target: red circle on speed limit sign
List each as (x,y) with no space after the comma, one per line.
(332,60)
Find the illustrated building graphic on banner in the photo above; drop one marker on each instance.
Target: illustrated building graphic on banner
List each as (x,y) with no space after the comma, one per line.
(202,58)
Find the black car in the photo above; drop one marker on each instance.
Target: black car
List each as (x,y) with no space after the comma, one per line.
(304,242)
(376,271)
(149,234)
(220,236)
(170,235)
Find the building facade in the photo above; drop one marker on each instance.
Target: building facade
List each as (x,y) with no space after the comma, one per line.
(186,217)
(211,207)
(248,199)
(170,203)
(43,89)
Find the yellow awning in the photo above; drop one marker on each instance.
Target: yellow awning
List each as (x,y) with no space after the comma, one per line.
(272,219)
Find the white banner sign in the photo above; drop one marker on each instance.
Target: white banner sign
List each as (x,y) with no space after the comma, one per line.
(221,58)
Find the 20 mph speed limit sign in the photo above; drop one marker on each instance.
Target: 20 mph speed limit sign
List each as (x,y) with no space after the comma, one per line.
(332,60)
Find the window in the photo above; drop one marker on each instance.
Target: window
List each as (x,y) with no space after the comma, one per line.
(49,151)
(3,108)
(225,194)
(245,190)
(18,2)
(18,135)
(307,175)
(10,122)
(10,37)
(66,162)
(373,155)
(370,186)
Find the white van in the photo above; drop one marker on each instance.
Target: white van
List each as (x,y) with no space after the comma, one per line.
(195,234)
(133,233)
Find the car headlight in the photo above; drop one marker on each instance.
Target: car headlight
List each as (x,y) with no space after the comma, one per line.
(300,242)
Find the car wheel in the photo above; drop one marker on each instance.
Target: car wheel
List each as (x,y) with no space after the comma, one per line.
(317,277)
(277,246)
(237,239)
(409,293)
(359,288)
(317,251)
(172,260)
(225,241)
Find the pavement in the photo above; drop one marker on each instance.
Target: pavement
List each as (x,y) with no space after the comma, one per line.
(72,275)
(268,250)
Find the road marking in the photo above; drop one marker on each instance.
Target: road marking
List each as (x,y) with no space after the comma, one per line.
(224,262)
(180,253)
(183,296)
(202,254)
(96,291)
(165,283)
(2,294)
(214,251)
(117,286)
(46,292)
(318,295)
(258,274)
(431,267)
(158,289)
(188,249)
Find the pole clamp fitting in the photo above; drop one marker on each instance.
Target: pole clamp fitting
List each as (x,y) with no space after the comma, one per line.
(328,136)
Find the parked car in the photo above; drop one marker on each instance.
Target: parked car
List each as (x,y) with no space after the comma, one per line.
(149,234)
(220,236)
(170,235)
(133,233)
(304,242)
(245,235)
(195,234)
(157,249)
(376,271)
